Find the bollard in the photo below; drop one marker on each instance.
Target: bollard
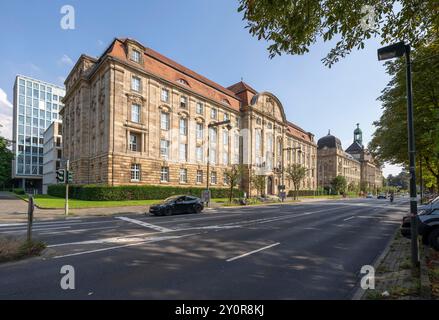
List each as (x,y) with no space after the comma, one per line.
(30,218)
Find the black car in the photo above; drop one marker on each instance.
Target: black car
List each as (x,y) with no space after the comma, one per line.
(382,196)
(428,227)
(177,205)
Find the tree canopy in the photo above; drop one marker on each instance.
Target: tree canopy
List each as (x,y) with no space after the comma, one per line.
(6,157)
(389,142)
(292,26)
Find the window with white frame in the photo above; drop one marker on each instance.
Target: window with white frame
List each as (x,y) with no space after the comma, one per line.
(199,108)
(258,147)
(236,148)
(134,142)
(199,128)
(164,174)
(135,56)
(183,175)
(183,102)
(164,149)
(226,179)
(164,120)
(135,84)
(199,153)
(199,176)
(213,177)
(213,145)
(135,113)
(213,113)
(183,152)
(183,127)
(225,138)
(225,157)
(165,95)
(135,172)
(226,116)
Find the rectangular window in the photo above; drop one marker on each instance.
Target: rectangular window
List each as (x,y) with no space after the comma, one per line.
(225,179)
(236,149)
(135,56)
(213,177)
(226,116)
(225,138)
(213,113)
(183,102)
(165,95)
(164,149)
(135,84)
(134,141)
(199,109)
(135,172)
(199,130)
(164,121)
(199,176)
(183,127)
(199,152)
(183,175)
(164,174)
(135,113)
(183,152)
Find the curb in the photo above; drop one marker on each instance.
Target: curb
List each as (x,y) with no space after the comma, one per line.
(360,292)
(425,290)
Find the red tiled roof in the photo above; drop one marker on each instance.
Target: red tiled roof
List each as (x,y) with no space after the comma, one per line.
(172,71)
(241,86)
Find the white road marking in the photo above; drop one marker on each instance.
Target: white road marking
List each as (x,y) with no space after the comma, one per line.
(156,239)
(349,218)
(33,229)
(46,223)
(254,251)
(145,224)
(74,231)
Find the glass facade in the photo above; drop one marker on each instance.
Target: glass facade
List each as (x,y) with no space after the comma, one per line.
(36,105)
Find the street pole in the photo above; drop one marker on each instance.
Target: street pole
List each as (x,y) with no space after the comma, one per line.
(208,162)
(421,183)
(66,177)
(411,147)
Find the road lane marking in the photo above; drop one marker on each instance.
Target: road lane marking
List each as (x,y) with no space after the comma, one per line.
(145,224)
(74,231)
(349,218)
(152,240)
(252,252)
(33,229)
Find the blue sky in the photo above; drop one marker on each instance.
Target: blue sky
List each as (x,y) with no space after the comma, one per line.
(209,37)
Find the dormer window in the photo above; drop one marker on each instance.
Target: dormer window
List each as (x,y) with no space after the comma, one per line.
(135,56)
(183,82)
(225,101)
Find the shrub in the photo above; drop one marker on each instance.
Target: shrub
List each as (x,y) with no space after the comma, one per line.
(19,191)
(146,192)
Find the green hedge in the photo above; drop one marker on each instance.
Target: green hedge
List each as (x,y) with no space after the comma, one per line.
(117,193)
(303,193)
(19,191)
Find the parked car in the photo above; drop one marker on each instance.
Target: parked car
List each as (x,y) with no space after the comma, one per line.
(382,196)
(428,227)
(177,205)
(369,196)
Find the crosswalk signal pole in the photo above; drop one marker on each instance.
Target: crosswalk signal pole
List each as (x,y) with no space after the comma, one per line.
(66,177)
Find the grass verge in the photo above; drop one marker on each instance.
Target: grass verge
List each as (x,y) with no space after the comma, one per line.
(12,248)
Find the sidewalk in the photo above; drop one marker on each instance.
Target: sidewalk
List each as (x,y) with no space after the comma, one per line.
(394,278)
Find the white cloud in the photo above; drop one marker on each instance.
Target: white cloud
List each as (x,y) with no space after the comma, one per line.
(65,60)
(5,115)
(391,169)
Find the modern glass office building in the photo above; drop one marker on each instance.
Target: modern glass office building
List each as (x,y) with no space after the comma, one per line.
(36,106)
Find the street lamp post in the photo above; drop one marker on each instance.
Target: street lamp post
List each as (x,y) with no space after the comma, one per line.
(398,50)
(213,125)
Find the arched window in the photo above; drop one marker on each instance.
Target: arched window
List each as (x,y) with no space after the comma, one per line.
(183,82)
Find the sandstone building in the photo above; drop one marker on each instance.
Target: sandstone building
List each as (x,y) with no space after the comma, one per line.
(355,164)
(133,117)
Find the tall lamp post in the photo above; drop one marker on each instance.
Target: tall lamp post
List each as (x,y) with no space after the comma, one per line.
(398,50)
(209,126)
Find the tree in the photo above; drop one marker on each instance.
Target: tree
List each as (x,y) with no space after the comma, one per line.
(353,187)
(257,181)
(292,26)
(295,173)
(339,184)
(233,176)
(389,142)
(6,157)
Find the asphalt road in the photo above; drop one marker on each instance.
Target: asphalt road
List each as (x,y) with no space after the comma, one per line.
(296,251)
